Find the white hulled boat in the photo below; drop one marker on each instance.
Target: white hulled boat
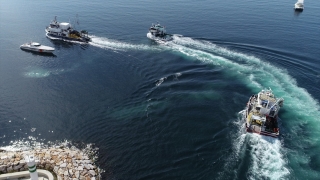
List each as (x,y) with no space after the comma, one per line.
(298,6)
(36,47)
(64,31)
(261,114)
(158,33)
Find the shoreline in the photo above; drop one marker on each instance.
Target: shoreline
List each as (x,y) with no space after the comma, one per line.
(64,163)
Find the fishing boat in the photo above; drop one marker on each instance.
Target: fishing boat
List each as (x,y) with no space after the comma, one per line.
(299,6)
(261,114)
(65,31)
(36,47)
(158,33)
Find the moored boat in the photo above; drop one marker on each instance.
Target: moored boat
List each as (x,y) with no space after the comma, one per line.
(158,33)
(299,6)
(65,31)
(261,115)
(36,47)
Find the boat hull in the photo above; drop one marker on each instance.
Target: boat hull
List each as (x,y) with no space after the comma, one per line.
(38,50)
(298,9)
(160,39)
(56,37)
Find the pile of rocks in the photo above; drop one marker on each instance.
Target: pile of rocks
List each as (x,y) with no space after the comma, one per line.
(65,163)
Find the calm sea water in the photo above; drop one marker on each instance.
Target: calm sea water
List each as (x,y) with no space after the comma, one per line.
(166,111)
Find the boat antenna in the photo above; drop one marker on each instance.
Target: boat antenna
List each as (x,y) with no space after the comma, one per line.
(77,19)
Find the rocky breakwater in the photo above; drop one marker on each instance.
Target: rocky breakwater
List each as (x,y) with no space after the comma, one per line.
(65,163)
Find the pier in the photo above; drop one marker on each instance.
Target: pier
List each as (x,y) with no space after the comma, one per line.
(64,164)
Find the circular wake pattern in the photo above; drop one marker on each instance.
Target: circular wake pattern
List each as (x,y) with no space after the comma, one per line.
(267,158)
(257,74)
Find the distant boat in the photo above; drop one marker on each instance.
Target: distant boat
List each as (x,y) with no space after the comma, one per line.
(158,33)
(37,47)
(298,6)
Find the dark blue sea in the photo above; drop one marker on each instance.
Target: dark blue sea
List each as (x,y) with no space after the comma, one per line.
(169,111)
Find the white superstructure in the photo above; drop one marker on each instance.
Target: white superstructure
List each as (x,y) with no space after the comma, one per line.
(299,5)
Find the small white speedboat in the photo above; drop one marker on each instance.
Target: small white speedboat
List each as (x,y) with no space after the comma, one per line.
(37,47)
(299,6)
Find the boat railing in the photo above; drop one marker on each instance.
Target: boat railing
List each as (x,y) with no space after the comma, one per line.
(273,109)
(277,102)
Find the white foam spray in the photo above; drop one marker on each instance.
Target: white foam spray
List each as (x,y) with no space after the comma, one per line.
(160,81)
(267,160)
(263,156)
(38,72)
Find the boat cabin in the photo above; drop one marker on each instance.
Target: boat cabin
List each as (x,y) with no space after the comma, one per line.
(35,44)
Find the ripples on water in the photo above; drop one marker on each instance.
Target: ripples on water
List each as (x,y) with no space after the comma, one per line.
(170,111)
(264,158)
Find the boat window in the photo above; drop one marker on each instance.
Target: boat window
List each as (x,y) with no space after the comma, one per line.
(264,103)
(36,44)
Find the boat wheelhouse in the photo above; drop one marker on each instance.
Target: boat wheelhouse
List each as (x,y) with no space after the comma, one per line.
(261,115)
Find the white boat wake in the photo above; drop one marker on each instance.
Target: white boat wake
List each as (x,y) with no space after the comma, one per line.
(255,74)
(262,157)
(247,69)
(267,161)
(106,43)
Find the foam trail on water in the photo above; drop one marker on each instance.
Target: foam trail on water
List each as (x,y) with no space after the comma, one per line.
(38,72)
(258,169)
(258,74)
(261,156)
(253,71)
(106,43)
(30,143)
(267,159)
